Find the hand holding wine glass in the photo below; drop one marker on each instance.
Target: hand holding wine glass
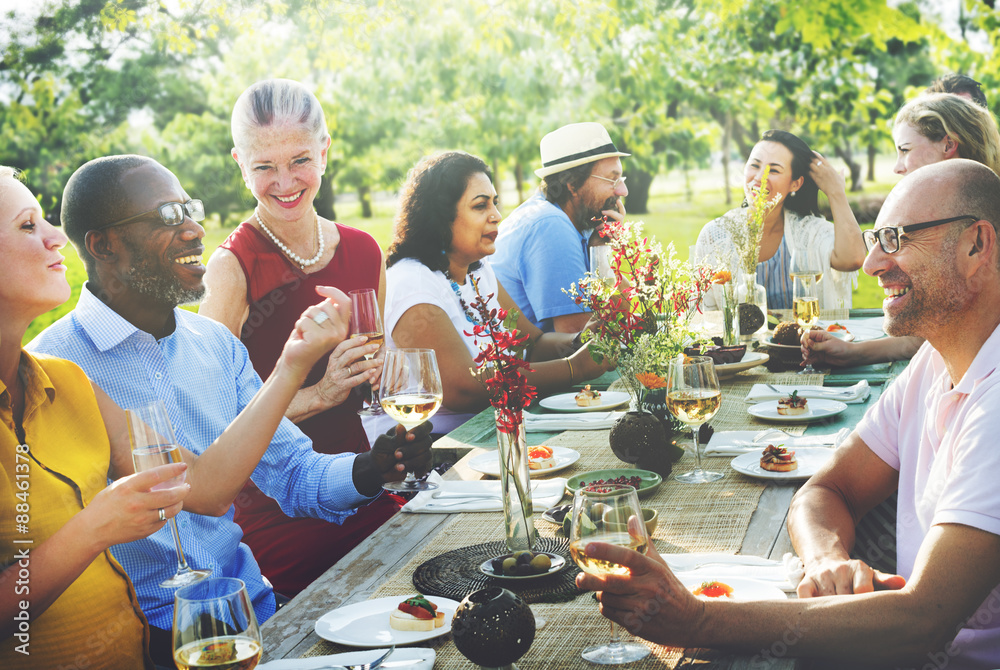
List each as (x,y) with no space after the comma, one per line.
(805,306)
(366,320)
(693,397)
(410,393)
(215,626)
(153,445)
(611,514)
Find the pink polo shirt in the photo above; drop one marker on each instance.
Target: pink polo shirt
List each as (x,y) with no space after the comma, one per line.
(945,443)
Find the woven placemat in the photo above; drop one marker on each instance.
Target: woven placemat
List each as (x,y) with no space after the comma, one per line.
(455,574)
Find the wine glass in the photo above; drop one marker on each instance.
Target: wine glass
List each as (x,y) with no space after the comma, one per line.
(593,506)
(805,307)
(154,444)
(410,393)
(366,320)
(693,396)
(215,626)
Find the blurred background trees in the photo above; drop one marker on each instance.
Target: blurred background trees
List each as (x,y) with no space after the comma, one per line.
(680,83)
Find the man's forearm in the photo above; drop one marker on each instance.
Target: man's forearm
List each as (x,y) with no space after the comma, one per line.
(820,525)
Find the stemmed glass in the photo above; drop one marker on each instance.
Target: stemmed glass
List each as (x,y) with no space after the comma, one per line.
(410,393)
(154,444)
(693,396)
(366,320)
(805,307)
(593,507)
(215,626)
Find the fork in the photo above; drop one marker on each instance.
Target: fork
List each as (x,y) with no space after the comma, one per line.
(370,665)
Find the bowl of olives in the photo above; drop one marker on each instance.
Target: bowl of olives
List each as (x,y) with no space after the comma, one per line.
(523,565)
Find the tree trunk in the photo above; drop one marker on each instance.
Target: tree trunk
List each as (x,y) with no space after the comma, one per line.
(844,152)
(727,136)
(639,182)
(872,152)
(496,183)
(326,199)
(365,198)
(519,181)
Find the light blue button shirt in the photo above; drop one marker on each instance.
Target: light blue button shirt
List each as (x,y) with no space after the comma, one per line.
(205,378)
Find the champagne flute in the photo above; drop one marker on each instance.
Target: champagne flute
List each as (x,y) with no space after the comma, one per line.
(215,626)
(593,507)
(805,307)
(693,396)
(410,393)
(154,444)
(366,320)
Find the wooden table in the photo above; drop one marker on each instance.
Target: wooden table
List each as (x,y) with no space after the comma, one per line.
(290,632)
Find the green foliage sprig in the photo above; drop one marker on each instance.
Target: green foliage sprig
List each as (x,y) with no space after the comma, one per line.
(746,225)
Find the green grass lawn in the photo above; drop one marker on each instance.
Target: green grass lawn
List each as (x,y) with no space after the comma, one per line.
(672,218)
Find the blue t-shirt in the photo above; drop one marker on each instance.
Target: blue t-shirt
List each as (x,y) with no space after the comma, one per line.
(539,253)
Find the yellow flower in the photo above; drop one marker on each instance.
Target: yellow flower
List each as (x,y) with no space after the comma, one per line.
(721,277)
(651,381)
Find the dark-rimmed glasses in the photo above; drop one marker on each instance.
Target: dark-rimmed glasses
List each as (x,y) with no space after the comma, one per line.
(171,213)
(614,182)
(888,237)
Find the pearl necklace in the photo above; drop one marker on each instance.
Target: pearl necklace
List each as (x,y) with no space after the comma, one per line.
(303,263)
(469,315)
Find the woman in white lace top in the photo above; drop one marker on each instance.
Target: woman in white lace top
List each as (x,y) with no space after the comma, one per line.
(795,226)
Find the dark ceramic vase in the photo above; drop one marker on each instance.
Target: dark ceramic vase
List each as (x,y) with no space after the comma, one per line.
(493,627)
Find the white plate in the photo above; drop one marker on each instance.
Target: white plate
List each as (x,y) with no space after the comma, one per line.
(566,402)
(488,463)
(751,359)
(810,459)
(743,588)
(816,409)
(366,624)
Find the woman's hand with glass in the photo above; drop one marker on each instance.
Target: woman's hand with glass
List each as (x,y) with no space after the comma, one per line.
(128,509)
(348,367)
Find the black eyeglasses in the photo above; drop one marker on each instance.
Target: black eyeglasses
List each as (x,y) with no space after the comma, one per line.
(888,237)
(171,213)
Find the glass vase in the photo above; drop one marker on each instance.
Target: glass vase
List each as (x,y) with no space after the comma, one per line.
(725,297)
(515,486)
(751,310)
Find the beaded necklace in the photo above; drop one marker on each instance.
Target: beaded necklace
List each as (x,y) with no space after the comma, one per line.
(469,314)
(303,263)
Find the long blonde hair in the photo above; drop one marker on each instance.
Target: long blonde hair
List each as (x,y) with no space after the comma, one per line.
(944,114)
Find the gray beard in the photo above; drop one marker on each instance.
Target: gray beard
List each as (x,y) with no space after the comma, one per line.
(145,280)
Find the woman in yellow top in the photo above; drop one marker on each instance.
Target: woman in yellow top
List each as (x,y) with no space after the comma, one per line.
(64,600)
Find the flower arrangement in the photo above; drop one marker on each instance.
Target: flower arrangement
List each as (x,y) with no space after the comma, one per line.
(500,366)
(500,361)
(746,226)
(642,315)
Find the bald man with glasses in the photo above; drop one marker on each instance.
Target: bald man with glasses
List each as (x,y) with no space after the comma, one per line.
(932,436)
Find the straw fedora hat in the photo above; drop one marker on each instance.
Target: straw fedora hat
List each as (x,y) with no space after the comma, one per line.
(573,145)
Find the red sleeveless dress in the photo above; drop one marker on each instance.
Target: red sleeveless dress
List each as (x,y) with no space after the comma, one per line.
(293,552)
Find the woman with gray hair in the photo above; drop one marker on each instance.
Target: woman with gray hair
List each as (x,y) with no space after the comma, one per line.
(260,279)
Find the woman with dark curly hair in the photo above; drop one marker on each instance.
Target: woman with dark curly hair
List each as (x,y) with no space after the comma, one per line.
(445,229)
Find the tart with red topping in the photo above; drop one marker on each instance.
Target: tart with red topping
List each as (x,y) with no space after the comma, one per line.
(713,590)
(792,404)
(588,397)
(778,459)
(416,613)
(540,458)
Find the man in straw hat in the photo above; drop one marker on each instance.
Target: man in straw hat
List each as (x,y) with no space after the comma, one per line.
(542,247)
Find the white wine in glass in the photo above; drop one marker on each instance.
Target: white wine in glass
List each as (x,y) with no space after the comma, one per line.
(694,397)
(367,320)
(593,506)
(153,445)
(215,626)
(410,393)
(805,307)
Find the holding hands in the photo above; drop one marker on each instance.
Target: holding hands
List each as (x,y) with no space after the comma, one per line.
(394,454)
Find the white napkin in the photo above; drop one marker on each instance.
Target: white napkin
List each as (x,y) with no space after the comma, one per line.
(736,442)
(424,656)
(720,566)
(849,394)
(480,496)
(549,423)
